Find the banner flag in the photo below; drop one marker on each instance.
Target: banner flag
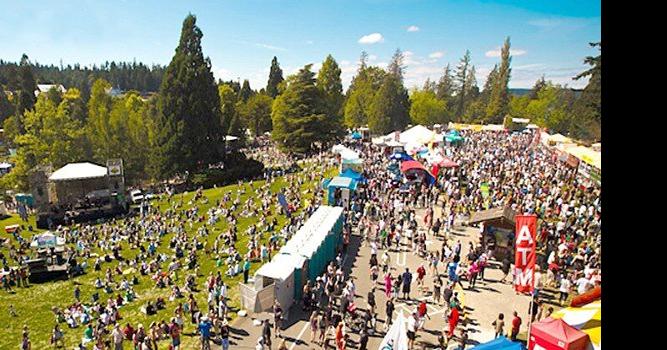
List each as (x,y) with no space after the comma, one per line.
(397,336)
(525,253)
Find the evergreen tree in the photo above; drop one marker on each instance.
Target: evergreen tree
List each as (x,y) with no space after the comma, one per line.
(389,110)
(396,66)
(54,95)
(462,82)
(6,107)
(539,85)
(246,91)
(228,102)
(275,78)
(236,127)
(498,106)
(445,86)
(256,113)
(331,88)
(588,107)
(27,87)
(361,92)
(299,114)
(189,119)
(430,85)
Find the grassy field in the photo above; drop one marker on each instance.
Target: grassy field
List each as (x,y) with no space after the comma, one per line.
(34,304)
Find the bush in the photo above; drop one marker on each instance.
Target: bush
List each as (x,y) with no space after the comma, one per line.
(237,167)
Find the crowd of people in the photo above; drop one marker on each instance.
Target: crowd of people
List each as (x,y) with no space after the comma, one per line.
(166,248)
(521,175)
(156,261)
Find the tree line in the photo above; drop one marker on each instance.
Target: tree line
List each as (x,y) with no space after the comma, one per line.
(183,127)
(121,75)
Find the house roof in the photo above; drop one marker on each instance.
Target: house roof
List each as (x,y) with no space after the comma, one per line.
(78,171)
(492,214)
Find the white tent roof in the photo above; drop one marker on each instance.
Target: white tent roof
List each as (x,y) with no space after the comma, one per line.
(231,138)
(78,171)
(416,134)
(5,165)
(279,268)
(345,152)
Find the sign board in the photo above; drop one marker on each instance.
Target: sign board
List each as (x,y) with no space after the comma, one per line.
(115,167)
(525,252)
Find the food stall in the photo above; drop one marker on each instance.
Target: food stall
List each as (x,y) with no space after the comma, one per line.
(498,232)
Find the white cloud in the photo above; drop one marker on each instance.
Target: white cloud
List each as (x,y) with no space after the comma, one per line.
(371,38)
(437,54)
(496,52)
(413,29)
(270,47)
(372,57)
(344,63)
(309,42)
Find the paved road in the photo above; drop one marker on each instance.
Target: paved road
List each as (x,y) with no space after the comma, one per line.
(482,304)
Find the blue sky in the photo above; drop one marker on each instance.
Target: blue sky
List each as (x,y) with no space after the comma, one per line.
(241,37)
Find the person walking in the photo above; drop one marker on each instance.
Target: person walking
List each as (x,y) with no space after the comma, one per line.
(407,279)
(387,285)
(224,334)
(277,317)
(499,325)
(516,325)
(389,309)
(266,334)
(314,326)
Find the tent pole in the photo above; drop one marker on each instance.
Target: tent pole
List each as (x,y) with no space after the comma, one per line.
(530,319)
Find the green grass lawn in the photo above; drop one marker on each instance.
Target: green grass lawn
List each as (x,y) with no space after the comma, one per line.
(33,304)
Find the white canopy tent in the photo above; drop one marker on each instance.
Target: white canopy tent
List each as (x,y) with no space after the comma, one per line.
(417,134)
(345,152)
(78,171)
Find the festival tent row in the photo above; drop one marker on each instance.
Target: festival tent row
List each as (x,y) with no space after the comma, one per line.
(303,257)
(587,318)
(553,333)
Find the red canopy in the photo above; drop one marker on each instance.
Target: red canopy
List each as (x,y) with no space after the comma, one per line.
(555,334)
(413,164)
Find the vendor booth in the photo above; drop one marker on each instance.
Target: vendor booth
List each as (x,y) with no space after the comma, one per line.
(340,190)
(498,233)
(555,334)
(500,343)
(303,258)
(413,169)
(453,138)
(587,318)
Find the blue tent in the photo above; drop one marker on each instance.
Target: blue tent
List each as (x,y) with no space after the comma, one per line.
(352,175)
(501,343)
(356,135)
(402,156)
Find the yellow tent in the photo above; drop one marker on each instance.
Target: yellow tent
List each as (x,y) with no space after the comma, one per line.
(587,319)
(587,155)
